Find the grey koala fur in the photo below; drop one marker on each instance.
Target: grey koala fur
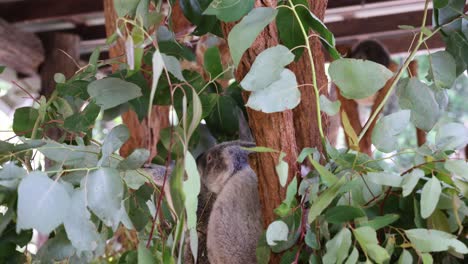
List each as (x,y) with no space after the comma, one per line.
(234,224)
(229,215)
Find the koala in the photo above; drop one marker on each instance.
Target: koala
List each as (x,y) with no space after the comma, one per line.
(234,224)
(229,214)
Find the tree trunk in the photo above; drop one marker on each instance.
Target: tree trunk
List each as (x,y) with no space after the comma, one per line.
(286,131)
(305,114)
(141,134)
(62,52)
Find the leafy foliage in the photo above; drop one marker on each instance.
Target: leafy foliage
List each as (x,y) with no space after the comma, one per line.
(348,208)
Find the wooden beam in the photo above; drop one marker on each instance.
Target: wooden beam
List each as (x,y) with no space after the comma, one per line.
(21,51)
(343,3)
(47,9)
(359,26)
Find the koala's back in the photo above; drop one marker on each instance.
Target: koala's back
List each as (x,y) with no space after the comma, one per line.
(235,221)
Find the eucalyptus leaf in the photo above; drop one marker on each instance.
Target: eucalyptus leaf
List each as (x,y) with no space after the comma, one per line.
(191,189)
(277,231)
(172,65)
(457,167)
(384,134)
(134,178)
(212,62)
(384,178)
(110,92)
(327,177)
(324,200)
(80,230)
(431,240)
(229,10)
(282,169)
(11,175)
(367,238)
(329,107)
(135,160)
(382,221)
(338,247)
(279,96)
(114,140)
(358,79)
(343,213)
(410,180)
(430,196)
(104,193)
(42,203)
(245,32)
(419,98)
(451,136)
(442,69)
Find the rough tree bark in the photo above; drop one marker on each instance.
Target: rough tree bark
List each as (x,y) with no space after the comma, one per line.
(286,131)
(141,134)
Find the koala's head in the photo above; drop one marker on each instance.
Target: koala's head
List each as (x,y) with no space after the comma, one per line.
(371,50)
(221,162)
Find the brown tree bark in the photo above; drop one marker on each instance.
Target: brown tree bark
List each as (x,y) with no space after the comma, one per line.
(142,134)
(280,130)
(62,52)
(305,114)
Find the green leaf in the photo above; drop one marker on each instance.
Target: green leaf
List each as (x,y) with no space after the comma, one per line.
(381,221)
(144,255)
(343,213)
(457,167)
(135,178)
(212,62)
(110,92)
(451,136)
(245,32)
(306,152)
(80,230)
(83,121)
(279,96)
(367,238)
(440,3)
(57,248)
(311,240)
(267,68)
(457,46)
(329,107)
(405,257)
(427,258)
(42,203)
(406,27)
(349,131)
(282,169)
(338,247)
(326,36)
(353,257)
(324,200)
(2,68)
(10,175)
(289,30)
(327,177)
(59,78)
(385,132)
(157,66)
(125,7)
(193,11)
(277,231)
(113,141)
(291,192)
(172,65)
(224,119)
(442,69)
(69,155)
(410,180)
(191,189)
(135,160)
(24,120)
(229,10)
(384,178)
(430,196)
(431,240)
(358,79)
(104,193)
(419,98)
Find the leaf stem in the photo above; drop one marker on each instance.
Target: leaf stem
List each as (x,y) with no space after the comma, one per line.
(312,65)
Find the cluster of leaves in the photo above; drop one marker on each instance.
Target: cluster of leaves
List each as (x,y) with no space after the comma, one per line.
(350,209)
